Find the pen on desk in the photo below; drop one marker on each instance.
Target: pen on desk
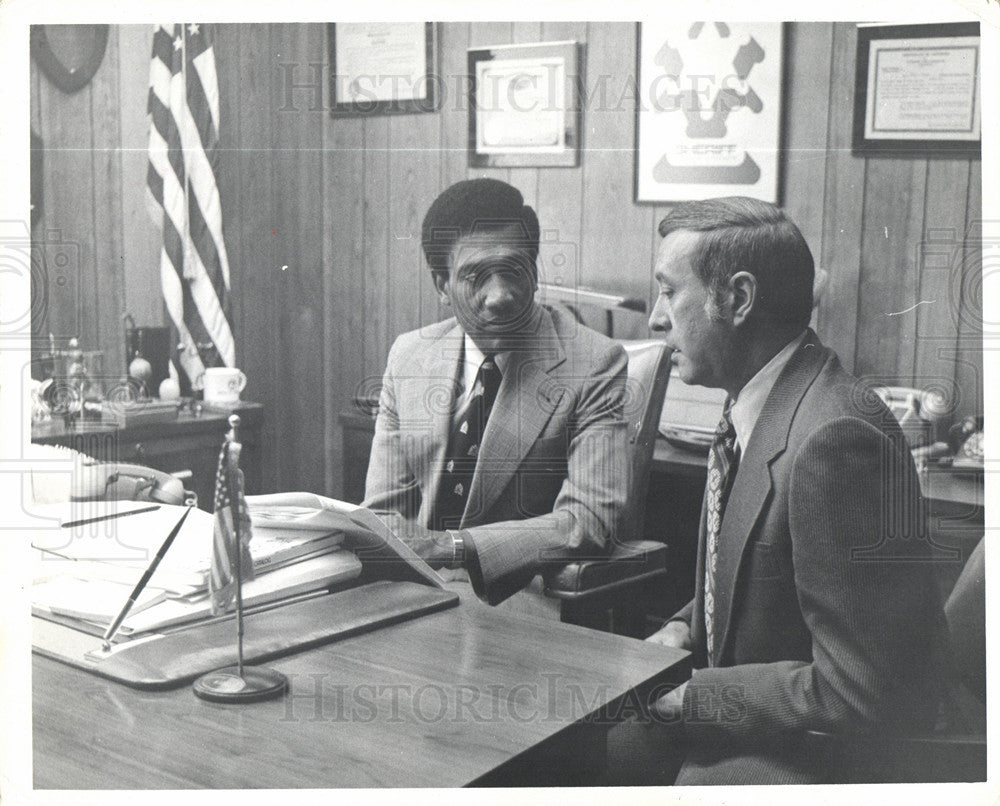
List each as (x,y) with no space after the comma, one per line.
(113,628)
(85,521)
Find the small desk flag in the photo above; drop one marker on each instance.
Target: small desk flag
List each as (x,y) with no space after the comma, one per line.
(229,499)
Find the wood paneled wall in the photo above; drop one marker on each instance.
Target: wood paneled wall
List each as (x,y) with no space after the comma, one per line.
(322,218)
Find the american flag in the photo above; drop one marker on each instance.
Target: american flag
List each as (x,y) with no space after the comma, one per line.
(222,580)
(183,193)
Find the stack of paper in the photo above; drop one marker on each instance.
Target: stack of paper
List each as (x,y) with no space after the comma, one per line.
(367,533)
(86,571)
(93,600)
(120,548)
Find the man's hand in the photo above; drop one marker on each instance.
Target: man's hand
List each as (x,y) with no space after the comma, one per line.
(673,633)
(435,548)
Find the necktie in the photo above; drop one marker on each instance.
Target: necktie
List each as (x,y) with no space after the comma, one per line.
(463,447)
(722,464)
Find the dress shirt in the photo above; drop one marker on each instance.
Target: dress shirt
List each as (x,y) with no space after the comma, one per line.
(750,401)
(472,360)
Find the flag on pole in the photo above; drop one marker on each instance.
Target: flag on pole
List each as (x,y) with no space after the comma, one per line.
(225,553)
(183,192)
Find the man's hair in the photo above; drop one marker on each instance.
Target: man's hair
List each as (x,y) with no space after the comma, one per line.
(475,206)
(744,234)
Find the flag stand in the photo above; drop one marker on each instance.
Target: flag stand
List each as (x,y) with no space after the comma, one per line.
(239,683)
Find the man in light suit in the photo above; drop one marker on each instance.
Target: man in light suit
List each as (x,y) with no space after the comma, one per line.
(814,606)
(500,442)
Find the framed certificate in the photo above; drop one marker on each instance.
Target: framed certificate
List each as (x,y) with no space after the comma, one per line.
(917,89)
(382,68)
(708,116)
(524,108)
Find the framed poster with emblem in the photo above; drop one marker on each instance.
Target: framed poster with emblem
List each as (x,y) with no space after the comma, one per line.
(708,112)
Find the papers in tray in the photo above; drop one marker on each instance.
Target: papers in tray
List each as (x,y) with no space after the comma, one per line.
(84,574)
(98,601)
(91,611)
(308,575)
(119,549)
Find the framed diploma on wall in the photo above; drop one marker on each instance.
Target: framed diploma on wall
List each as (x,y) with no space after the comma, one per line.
(708,113)
(382,68)
(524,108)
(917,89)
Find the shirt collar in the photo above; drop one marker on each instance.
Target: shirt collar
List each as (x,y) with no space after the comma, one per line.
(750,401)
(473,359)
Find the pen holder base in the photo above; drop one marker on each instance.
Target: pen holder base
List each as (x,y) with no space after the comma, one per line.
(226,685)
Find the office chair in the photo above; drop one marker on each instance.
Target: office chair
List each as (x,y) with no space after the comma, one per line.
(615,593)
(956,749)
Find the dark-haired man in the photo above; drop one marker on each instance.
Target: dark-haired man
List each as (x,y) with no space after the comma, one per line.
(500,440)
(814,606)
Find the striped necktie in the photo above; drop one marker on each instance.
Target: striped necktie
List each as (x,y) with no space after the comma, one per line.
(463,447)
(722,465)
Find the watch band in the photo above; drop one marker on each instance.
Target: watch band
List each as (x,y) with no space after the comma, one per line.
(457,549)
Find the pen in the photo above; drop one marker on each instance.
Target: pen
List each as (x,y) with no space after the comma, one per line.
(113,628)
(84,521)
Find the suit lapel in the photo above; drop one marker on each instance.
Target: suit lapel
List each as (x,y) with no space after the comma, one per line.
(753,483)
(439,368)
(525,402)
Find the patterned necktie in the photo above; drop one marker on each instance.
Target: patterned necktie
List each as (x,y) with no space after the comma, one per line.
(463,447)
(722,464)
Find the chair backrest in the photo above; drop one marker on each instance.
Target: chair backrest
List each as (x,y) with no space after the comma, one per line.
(965,611)
(648,373)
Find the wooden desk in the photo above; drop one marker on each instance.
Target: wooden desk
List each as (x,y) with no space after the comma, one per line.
(470,695)
(188,443)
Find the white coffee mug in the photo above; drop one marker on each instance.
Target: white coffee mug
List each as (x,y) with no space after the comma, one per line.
(223,385)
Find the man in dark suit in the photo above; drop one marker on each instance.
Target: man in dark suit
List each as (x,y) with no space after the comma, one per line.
(814,606)
(500,442)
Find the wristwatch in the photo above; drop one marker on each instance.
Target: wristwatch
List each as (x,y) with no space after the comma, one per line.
(457,550)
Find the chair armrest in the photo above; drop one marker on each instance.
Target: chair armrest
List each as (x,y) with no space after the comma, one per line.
(629,563)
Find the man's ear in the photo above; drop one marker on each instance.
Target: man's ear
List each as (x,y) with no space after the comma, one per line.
(743,286)
(443,286)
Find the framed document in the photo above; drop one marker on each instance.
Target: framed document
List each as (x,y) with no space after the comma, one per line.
(708,110)
(382,68)
(524,107)
(917,89)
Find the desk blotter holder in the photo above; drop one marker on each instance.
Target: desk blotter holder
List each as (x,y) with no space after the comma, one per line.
(239,683)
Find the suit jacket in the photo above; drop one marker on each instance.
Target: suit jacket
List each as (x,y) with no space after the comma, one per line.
(552,472)
(826,616)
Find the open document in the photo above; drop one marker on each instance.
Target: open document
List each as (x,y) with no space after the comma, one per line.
(86,562)
(368,534)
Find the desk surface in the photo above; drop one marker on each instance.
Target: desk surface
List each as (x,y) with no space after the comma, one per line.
(439,701)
